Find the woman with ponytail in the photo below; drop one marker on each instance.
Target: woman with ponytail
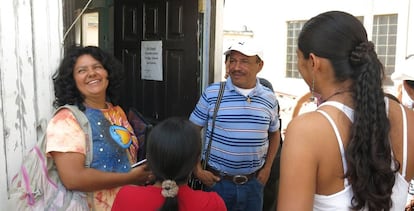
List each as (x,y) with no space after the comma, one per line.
(173,149)
(355,151)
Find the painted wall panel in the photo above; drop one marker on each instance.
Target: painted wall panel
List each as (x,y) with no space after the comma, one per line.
(30,40)
(17,85)
(47,52)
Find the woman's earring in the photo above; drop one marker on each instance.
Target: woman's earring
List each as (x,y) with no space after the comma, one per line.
(312,98)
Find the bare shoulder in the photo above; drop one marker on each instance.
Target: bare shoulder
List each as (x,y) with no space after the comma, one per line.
(309,122)
(306,129)
(395,114)
(396,118)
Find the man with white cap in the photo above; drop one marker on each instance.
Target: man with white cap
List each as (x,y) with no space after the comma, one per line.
(406,89)
(271,188)
(246,132)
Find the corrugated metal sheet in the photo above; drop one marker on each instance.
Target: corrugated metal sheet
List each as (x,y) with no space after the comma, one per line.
(30,50)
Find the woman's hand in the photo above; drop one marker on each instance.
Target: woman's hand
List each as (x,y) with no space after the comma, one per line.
(142,175)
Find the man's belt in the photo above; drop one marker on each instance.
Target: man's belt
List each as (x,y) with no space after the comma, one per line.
(237,179)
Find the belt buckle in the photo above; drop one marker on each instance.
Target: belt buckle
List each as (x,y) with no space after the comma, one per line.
(240,179)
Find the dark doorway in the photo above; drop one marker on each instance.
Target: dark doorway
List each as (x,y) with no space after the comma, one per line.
(175,23)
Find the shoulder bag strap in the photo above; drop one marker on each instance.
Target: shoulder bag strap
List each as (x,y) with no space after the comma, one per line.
(216,108)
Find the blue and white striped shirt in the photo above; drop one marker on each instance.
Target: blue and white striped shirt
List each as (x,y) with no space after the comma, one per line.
(240,139)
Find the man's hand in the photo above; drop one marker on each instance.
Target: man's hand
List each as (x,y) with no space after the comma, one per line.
(206,177)
(263,175)
(410,205)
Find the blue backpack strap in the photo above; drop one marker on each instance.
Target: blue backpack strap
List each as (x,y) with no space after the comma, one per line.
(84,123)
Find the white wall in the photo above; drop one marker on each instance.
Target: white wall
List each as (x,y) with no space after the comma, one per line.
(30,40)
(268,19)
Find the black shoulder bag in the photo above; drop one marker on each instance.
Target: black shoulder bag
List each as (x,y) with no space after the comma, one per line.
(194,182)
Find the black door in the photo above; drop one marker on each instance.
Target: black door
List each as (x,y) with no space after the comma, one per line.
(174,22)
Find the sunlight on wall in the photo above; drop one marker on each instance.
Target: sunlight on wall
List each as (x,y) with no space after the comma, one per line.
(266,21)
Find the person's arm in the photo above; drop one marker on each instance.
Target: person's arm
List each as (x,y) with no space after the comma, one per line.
(206,177)
(75,176)
(399,92)
(298,170)
(301,101)
(66,144)
(274,142)
(198,126)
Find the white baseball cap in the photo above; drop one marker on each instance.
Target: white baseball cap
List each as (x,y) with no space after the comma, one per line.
(246,47)
(406,72)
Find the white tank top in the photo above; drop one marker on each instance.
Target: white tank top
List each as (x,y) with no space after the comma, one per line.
(341,201)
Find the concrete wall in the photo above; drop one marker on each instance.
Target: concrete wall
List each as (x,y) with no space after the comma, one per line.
(30,49)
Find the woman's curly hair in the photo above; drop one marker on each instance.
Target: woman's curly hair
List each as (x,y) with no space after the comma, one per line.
(342,39)
(66,91)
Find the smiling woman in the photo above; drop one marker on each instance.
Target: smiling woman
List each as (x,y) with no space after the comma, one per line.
(90,79)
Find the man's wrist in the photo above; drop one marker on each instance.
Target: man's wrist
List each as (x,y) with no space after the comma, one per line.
(197,170)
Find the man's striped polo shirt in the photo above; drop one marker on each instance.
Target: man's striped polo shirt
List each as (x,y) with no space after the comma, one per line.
(240,139)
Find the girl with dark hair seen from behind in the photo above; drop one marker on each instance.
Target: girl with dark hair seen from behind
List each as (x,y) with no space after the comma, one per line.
(90,78)
(173,149)
(352,153)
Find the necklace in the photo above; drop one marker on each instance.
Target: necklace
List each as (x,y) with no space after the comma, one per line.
(336,93)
